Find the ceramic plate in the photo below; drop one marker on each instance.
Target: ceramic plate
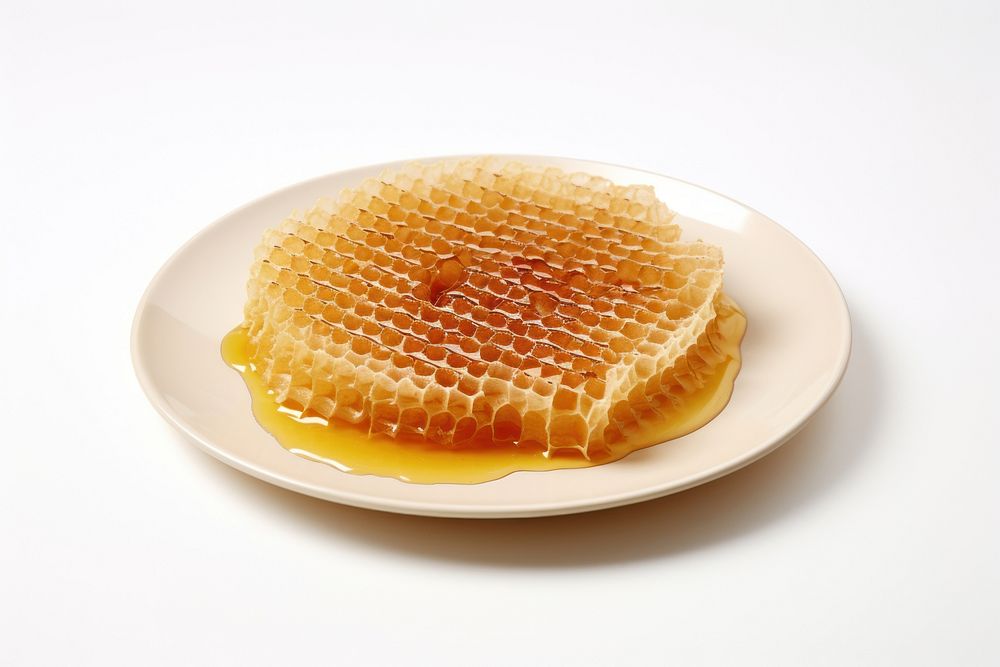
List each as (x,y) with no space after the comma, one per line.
(794,354)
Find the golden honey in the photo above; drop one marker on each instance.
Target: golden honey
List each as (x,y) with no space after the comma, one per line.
(352,449)
(458,321)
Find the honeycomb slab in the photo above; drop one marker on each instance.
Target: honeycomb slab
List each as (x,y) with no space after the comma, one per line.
(485,303)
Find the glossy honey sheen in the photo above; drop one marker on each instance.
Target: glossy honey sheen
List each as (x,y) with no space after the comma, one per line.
(353,450)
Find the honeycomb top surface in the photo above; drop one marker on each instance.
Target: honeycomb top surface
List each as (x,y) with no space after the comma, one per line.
(483,301)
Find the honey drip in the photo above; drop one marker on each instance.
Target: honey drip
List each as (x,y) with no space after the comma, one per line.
(351,449)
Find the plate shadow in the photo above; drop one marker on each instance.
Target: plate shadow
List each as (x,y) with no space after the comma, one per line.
(801,471)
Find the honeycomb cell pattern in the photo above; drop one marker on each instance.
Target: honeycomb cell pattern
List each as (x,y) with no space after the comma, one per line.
(483,302)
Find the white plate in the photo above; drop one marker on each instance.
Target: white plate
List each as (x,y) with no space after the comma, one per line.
(794,354)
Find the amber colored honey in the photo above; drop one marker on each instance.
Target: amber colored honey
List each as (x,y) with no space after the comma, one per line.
(351,449)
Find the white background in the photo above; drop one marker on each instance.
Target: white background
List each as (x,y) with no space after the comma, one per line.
(870,131)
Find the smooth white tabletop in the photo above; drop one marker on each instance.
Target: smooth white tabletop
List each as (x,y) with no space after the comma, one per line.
(871,133)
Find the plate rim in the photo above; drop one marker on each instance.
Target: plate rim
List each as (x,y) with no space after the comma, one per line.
(458,510)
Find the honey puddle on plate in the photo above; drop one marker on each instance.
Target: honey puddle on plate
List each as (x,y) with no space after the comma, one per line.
(353,450)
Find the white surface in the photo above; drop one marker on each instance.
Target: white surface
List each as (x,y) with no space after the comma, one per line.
(870,132)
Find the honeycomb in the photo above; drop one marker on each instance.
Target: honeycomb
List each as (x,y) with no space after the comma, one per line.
(485,302)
